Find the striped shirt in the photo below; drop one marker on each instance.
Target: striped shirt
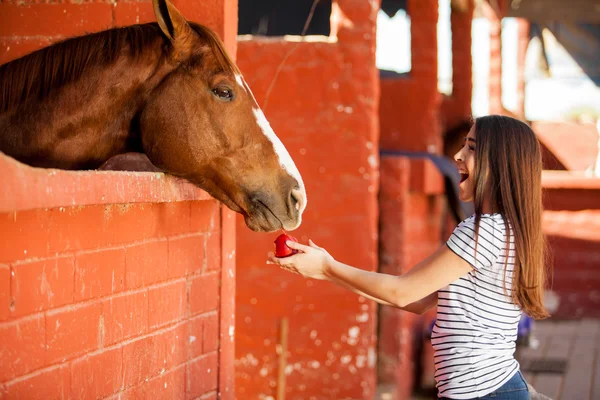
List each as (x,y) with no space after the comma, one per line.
(476,328)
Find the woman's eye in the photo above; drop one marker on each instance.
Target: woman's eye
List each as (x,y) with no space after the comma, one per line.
(471,148)
(223,93)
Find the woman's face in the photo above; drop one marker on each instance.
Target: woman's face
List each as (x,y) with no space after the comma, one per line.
(465,161)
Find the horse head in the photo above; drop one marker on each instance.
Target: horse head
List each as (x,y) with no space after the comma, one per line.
(203,123)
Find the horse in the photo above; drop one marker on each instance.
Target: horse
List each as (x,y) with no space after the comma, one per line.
(167,90)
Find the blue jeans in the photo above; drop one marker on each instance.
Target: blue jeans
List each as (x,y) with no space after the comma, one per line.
(514,389)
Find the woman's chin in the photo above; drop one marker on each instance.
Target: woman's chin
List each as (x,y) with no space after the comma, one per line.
(464,197)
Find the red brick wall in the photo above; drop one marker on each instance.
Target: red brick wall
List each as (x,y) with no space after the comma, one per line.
(494,14)
(409,108)
(117,285)
(411,229)
(110,299)
(572,224)
(457,107)
(324,107)
(29,25)
(411,199)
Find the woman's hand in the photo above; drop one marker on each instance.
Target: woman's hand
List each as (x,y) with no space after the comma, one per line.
(311,261)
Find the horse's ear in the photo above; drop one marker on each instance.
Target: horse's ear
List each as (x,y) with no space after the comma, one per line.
(170,20)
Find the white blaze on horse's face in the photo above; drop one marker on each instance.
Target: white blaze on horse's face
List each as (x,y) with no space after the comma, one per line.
(284,157)
(240,81)
(285,160)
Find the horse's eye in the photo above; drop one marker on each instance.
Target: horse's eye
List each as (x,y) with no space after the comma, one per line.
(223,93)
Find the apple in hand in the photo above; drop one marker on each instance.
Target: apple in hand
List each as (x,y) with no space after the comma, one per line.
(282,249)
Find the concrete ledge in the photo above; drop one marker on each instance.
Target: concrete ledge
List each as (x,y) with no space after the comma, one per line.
(569,180)
(26,188)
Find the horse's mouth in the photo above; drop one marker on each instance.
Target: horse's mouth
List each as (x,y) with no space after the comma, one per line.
(258,216)
(263,218)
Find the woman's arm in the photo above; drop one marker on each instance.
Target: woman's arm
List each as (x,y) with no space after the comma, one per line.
(411,290)
(418,307)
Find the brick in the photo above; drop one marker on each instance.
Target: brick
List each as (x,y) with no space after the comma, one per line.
(144,358)
(52,383)
(168,385)
(77,228)
(213,252)
(97,375)
(126,223)
(208,396)
(4,292)
(173,218)
(98,226)
(166,303)
(146,264)
(176,340)
(73,331)
(203,293)
(41,285)
(204,13)
(202,375)
(133,13)
(205,216)
(186,255)
(14,48)
(24,234)
(62,19)
(203,335)
(211,333)
(99,274)
(125,316)
(195,337)
(21,347)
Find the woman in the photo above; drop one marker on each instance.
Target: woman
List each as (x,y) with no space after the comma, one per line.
(490,270)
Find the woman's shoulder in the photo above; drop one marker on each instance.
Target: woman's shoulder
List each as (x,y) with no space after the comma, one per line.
(491,225)
(488,218)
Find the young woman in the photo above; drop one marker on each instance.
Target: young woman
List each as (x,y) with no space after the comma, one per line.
(490,270)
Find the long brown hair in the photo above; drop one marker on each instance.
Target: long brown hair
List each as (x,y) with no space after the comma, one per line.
(508,169)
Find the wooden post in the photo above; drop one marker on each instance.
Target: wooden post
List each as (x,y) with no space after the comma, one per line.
(283,341)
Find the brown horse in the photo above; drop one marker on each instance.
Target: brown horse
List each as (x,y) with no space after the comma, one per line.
(166,89)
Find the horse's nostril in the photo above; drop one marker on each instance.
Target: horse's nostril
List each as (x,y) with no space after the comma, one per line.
(296,199)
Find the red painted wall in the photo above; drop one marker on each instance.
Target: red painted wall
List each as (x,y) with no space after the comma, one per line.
(409,109)
(112,285)
(323,106)
(411,120)
(32,25)
(456,108)
(413,115)
(572,225)
(411,205)
(102,299)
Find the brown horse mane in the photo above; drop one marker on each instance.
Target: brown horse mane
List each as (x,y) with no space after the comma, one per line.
(35,75)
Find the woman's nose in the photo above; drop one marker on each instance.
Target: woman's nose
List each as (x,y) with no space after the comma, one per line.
(458,156)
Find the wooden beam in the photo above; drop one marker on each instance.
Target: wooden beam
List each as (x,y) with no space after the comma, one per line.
(555,10)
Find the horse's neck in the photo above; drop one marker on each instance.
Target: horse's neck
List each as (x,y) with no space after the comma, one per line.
(84,123)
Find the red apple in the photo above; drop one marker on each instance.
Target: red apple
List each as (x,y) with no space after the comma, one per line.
(282,249)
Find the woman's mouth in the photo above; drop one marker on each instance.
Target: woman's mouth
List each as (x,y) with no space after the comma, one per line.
(463,177)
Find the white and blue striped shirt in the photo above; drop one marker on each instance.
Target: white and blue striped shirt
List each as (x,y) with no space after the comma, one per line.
(476,328)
